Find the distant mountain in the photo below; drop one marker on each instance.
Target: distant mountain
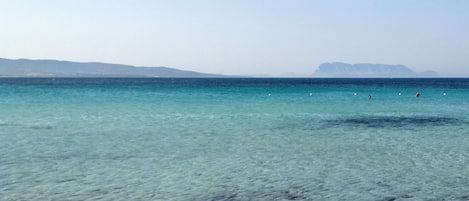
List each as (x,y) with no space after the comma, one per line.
(338,69)
(54,68)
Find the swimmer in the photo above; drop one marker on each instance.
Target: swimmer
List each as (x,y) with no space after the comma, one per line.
(417,95)
(369,97)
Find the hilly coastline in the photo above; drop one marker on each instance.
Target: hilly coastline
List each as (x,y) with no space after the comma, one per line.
(339,69)
(55,68)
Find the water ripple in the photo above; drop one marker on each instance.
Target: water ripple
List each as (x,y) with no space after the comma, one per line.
(395,121)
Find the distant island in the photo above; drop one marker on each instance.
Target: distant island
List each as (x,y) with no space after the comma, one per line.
(338,69)
(55,68)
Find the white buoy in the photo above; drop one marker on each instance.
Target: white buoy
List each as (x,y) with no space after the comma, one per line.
(354,94)
(269,94)
(310,94)
(399,94)
(444,94)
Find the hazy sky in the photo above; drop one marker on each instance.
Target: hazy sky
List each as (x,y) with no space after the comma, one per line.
(240,37)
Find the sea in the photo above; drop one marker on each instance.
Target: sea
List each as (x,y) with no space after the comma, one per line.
(227,139)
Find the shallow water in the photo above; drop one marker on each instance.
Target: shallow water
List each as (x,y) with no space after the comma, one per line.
(234,139)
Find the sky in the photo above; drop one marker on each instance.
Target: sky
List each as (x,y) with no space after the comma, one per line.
(241,37)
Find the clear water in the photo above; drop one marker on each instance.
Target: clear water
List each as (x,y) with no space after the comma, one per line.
(234,139)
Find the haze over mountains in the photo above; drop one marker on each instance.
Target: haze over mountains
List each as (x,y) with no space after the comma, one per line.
(54,68)
(339,69)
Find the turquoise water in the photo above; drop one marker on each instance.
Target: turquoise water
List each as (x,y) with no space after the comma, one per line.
(234,139)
